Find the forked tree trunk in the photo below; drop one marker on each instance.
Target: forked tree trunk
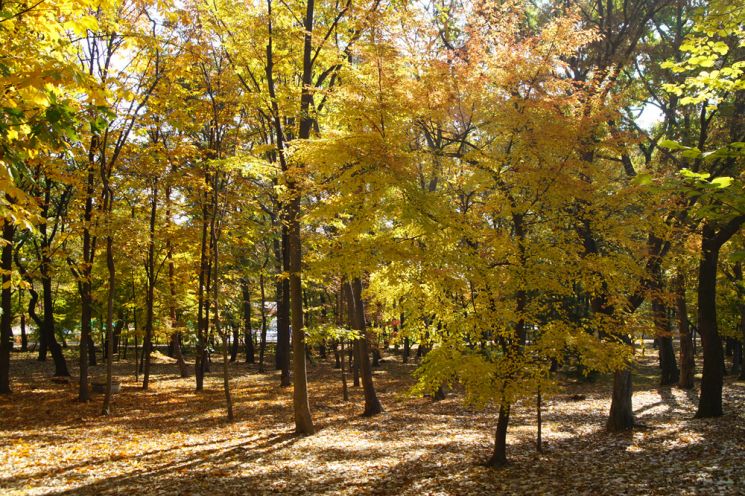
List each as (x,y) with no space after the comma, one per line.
(357,319)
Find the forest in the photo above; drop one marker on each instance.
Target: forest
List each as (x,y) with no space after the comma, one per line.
(372,246)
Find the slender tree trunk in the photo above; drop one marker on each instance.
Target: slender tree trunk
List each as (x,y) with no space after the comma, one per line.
(173,314)
(250,352)
(150,294)
(24,337)
(687,362)
(199,365)
(669,372)
(344,388)
(6,332)
(283,315)
(356,311)
(262,344)
(106,410)
(216,314)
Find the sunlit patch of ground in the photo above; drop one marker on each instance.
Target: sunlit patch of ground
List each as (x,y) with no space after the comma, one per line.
(172,440)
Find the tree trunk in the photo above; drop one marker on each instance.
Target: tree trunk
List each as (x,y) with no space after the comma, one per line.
(24,337)
(687,362)
(262,344)
(250,352)
(147,347)
(6,332)
(356,310)
(283,315)
(499,456)
(344,388)
(621,416)
(199,361)
(106,410)
(669,373)
(303,420)
(710,401)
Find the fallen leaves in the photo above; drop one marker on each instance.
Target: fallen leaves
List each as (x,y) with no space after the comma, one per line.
(176,441)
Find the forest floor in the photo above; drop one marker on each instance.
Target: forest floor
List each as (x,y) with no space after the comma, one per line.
(172,440)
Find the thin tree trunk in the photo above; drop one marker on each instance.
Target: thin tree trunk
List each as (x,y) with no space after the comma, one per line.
(357,320)
(150,290)
(262,344)
(173,315)
(250,352)
(344,388)
(106,410)
(24,337)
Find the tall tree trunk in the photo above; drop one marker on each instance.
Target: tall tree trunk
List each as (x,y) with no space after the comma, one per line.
(357,321)
(106,410)
(669,372)
(687,362)
(199,364)
(303,420)
(24,337)
(172,313)
(150,290)
(710,401)
(6,332)
(84,285)
(262,343)
(250,352)
(216,311)
(283,315)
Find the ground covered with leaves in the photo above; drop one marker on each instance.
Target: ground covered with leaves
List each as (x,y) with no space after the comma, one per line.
(172,440)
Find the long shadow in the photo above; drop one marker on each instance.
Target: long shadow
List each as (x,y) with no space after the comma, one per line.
(222,457)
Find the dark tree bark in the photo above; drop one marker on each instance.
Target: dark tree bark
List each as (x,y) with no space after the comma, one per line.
(173,314)
(24,337)
(151,278)
(6,333)
(283,315)
(356,310)
(621,416)
(499,455)
(202,311)
(687,362)
(710,400)
(669,372)
(262,343)
(250,352)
